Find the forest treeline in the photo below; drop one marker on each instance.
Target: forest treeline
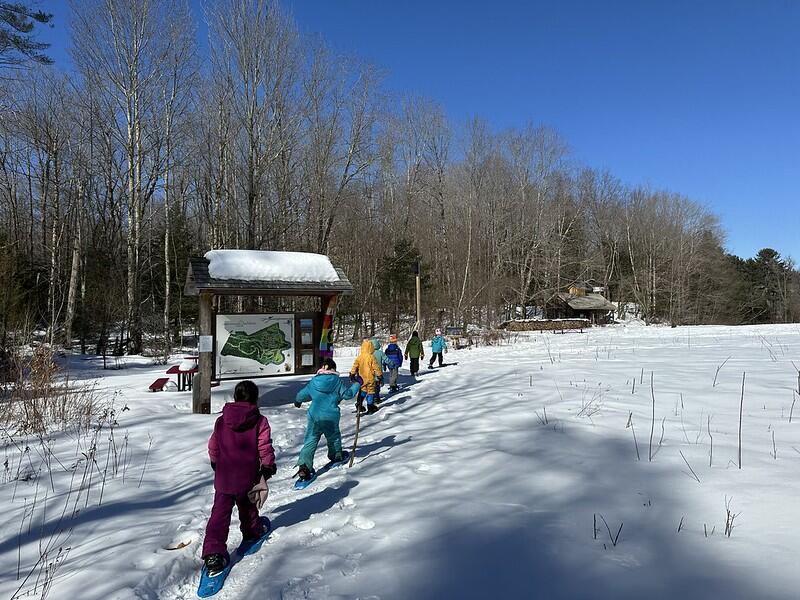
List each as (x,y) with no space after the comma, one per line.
(149,150)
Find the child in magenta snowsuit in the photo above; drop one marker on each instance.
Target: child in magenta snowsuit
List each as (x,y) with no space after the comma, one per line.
(241,452)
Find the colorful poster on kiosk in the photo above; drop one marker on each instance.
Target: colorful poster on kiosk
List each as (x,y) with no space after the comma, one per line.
(254,345)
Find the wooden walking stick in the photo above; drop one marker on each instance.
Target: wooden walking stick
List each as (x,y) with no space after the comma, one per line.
(358,425)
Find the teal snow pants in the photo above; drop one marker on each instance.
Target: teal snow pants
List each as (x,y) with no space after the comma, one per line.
(314,430)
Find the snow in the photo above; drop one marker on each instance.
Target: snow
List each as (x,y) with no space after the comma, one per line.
(463,487)
(269,265)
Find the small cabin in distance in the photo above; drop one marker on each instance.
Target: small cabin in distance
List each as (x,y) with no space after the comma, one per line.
(581,301)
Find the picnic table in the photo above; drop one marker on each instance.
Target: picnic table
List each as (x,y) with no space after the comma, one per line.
(184,372)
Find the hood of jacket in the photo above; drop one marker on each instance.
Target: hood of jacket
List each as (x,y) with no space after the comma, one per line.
(240,416)
(325,382)
(367,347)
(376,344)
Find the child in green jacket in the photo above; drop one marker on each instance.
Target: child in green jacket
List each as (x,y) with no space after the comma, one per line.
(414,352)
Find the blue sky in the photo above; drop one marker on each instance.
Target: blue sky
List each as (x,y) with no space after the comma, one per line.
(702,98)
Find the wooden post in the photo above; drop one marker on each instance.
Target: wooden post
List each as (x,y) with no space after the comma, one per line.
(201,400)
(419,302)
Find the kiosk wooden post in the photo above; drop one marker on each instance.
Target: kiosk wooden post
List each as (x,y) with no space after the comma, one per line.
(201,400)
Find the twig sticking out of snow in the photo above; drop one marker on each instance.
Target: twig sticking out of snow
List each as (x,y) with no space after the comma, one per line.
(690,467)
(633,431)
(718,369)
(730,516)
(774,448)
(711,447)
(653,420)
(146,456)
(791,410)
(612,537)
(741,407)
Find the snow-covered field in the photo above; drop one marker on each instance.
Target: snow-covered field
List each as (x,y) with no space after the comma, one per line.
(481,480)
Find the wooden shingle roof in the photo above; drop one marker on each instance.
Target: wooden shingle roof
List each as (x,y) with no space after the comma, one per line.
(198,280)
(586,302)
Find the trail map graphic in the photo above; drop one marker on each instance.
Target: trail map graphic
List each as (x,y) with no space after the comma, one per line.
(265,346)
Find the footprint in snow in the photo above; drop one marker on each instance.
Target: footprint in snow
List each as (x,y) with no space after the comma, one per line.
(352,564)
(426,469)
(305,587)
(360,522)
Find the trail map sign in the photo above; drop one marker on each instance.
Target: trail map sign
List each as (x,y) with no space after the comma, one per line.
(255,345)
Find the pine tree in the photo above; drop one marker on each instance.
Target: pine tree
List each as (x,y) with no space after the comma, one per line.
(397,278)
(18,45)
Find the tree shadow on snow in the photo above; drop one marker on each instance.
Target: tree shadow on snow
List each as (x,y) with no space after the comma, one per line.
(530,535)
(301,509)
(107,511)
(526,530)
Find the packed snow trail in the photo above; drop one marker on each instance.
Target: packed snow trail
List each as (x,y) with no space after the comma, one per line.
(463,487)
(461,490)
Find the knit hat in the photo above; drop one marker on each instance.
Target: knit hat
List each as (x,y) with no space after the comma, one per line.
(393,338)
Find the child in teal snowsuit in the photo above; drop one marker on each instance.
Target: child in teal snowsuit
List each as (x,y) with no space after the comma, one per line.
(438,346)
(325,390)
(383,362)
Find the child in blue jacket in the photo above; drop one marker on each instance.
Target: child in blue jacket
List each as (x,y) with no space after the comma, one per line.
(325,390)
(395,356)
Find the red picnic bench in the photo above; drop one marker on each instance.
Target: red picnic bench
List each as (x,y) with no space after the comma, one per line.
(158,384)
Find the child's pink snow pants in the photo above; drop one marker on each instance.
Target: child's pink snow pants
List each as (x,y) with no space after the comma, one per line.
(219,522)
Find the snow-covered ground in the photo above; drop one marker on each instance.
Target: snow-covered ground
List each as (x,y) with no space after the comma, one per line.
(463,487)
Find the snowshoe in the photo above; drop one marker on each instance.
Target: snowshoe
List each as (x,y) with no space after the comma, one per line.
(252,545)
(304,477)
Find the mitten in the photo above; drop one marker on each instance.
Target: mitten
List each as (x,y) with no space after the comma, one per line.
(298,404)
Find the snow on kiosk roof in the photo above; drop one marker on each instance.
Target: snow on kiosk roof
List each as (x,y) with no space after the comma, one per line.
(267,265)
(265,272)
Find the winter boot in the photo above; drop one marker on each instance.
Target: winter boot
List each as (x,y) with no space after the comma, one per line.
(304,473)
(340,456)
(372,409)
(215,564)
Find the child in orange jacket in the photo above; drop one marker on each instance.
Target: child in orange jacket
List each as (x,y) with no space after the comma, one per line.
(367,368)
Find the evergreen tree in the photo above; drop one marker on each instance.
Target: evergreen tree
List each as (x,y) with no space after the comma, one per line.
(17,42)
(397,278)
